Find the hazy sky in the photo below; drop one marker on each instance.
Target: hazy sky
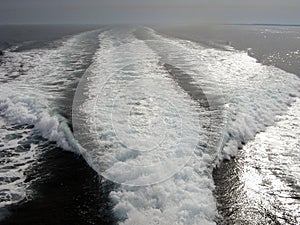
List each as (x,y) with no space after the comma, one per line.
(149,11)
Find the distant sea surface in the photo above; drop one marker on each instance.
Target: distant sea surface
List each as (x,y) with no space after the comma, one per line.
(242,79)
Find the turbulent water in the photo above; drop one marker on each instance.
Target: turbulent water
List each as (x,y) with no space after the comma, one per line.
(35,88)
(155,114)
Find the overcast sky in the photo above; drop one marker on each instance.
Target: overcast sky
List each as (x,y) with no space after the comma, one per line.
(149,11)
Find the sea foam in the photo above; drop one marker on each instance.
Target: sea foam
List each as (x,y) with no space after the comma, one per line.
(252,95)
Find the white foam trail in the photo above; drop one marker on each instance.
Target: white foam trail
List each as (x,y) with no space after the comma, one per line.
(187,197)
(272,158)
(31,82)
(16,158)
(254,95)
(33,111)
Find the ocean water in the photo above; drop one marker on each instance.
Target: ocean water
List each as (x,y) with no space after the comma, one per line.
(131,125)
